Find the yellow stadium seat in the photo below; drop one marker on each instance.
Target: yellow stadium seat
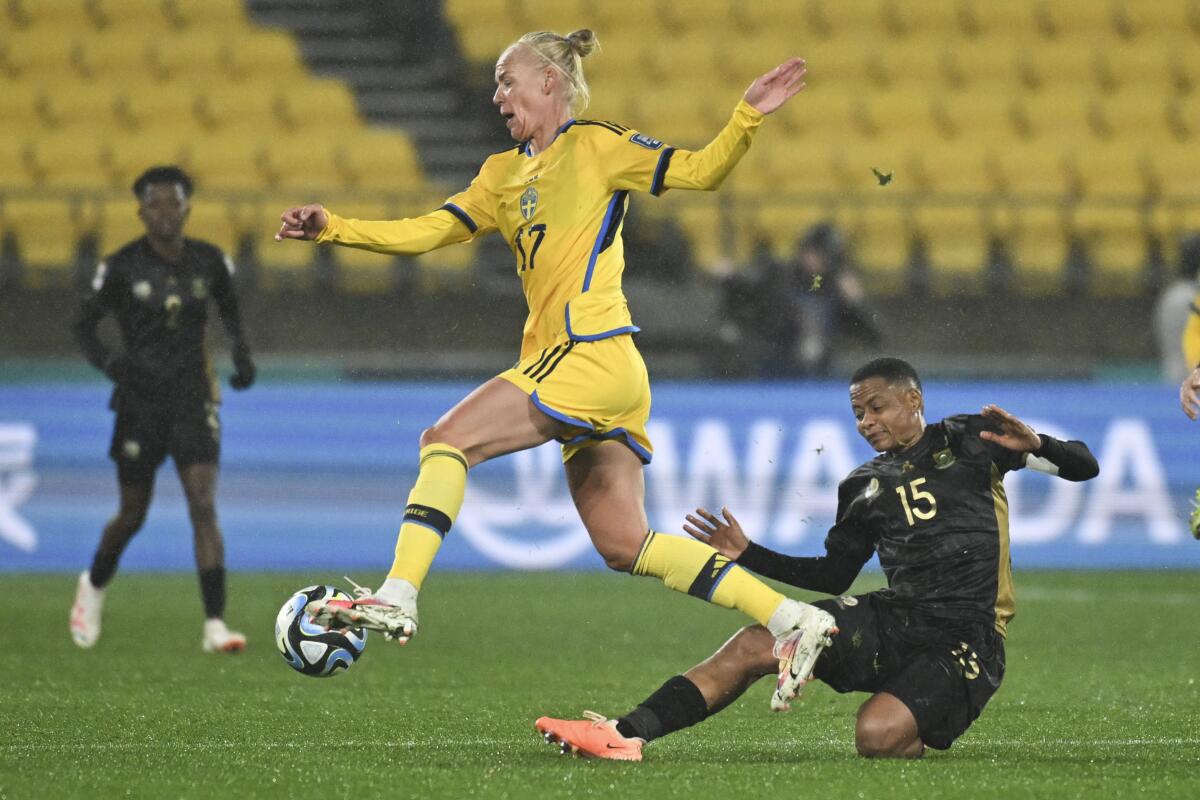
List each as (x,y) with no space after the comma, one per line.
(700,218)
(1116,171)
(22,107)
(975,115)
(60,16)
(916,63)
(1183,66)
(70,159)
(319,104)
(1033,169)
(270,53)
(228,108)
(302,164)
(73,104)
(1058,20)
(129,155)
(46,231)
(881,240)
(1133,116)
(1038,246)
(995,22)
(132,16)
(190,58)
(377,159)
(900,114)
(115,57)
(118,224)
(956,245)
(213,222)
(780,223)
(229,163)
(1114,237)
(157,108)
(560,16)
(1176,168)
(1058,116)
(40,54)
(962,167)
(16,163)
(1070,63)
(917,18)
(218,15)
(981,65)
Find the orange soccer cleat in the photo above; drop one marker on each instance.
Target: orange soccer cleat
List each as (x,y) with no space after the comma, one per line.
(594,737)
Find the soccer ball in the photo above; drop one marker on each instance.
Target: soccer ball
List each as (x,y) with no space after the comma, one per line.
(307,647)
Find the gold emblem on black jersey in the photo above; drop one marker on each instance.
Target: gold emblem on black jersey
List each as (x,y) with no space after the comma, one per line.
(141,290)
(944,458)
(199,288)
(529,201)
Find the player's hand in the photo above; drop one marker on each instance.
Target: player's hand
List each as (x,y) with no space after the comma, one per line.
(302,222)
(1189,394)
(1014,434)
(772,90)
(244,371)
(725,536)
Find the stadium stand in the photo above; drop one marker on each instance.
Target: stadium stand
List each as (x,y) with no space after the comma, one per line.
(1066,131)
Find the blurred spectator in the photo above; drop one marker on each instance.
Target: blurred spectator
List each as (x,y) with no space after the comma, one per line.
(828,302)
(788,318)
(1173,310)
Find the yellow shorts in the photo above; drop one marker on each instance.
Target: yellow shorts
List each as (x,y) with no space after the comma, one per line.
(600,387)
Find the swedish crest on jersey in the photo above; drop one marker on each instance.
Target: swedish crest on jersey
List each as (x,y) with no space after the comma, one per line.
(647,142)
(528,204)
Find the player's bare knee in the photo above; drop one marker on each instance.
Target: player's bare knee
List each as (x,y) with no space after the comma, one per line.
(876,736)
(203,515)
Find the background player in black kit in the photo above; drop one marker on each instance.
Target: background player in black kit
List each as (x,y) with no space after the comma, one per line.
(930,647)
(165,393)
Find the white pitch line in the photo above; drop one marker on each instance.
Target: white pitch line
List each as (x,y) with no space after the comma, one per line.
(1050,594)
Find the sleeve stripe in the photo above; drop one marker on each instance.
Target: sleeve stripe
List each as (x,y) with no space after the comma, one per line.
(660,173)
(463,216)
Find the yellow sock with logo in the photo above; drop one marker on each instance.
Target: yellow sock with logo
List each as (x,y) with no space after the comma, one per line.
(433,504)
(694,568)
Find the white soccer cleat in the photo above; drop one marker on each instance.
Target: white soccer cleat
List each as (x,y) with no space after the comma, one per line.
(219,639)
(85,613)
(797,652)
(395,620)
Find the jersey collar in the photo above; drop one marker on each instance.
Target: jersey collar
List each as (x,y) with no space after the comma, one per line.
(524,148)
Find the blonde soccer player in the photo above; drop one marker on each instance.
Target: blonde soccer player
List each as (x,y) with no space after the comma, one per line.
(558,198)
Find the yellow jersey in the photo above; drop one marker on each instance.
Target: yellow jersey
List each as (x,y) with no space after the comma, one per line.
(561,213)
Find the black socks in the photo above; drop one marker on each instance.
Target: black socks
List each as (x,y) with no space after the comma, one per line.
(676,705)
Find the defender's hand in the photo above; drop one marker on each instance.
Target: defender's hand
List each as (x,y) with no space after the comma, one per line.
(724,536)
(1014,434)
(302,222)
(772,90)
(245,373)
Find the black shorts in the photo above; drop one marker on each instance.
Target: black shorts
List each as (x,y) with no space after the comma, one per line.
(186,427)
(945,671)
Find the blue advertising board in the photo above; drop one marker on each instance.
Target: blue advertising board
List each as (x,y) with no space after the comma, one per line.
(316,476)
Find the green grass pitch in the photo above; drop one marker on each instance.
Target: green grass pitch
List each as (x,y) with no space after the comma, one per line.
(1101,698)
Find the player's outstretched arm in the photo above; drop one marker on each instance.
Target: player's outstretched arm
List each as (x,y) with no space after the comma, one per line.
(725,536)
(771,90)
(302,222)
(1072,460)
(1189,394)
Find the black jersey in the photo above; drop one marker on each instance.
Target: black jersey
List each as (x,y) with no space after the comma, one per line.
(937,515)
(161,308)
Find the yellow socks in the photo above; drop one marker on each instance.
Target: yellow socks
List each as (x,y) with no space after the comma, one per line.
(686,565)
(433,504)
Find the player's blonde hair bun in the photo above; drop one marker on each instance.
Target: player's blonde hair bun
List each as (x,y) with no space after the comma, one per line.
(564,53)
